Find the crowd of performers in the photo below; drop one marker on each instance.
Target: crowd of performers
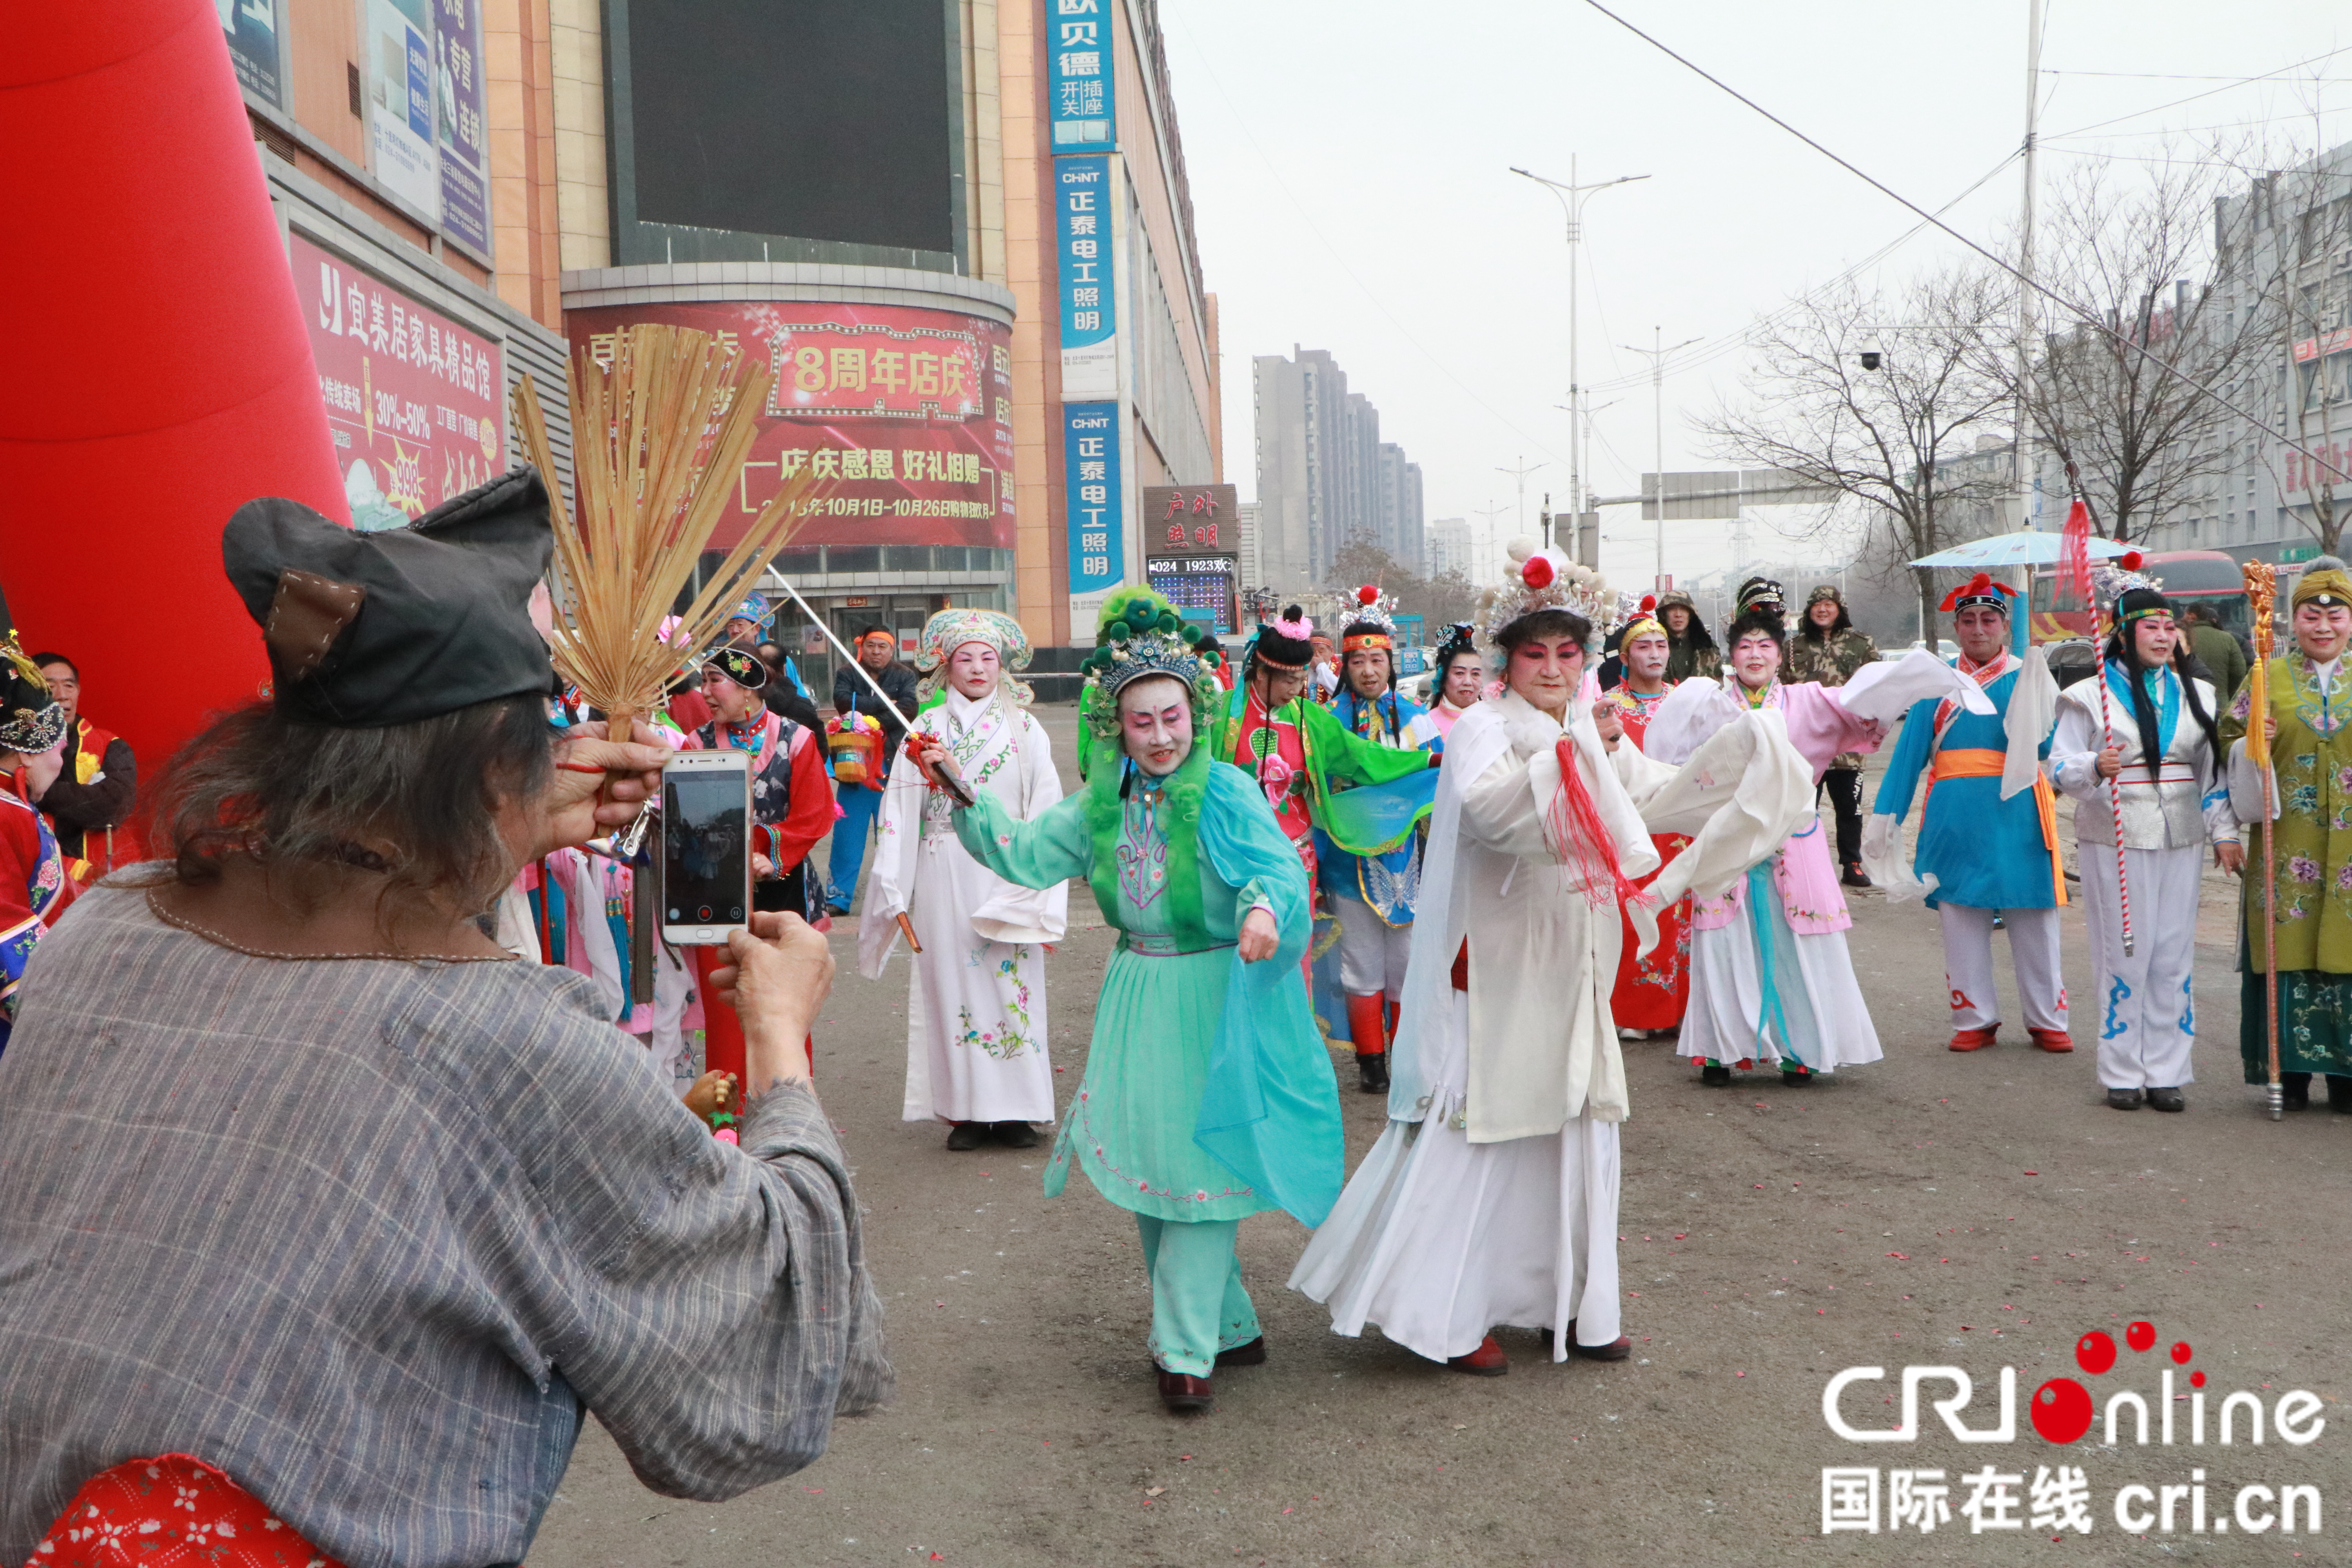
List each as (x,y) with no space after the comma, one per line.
(1525,874)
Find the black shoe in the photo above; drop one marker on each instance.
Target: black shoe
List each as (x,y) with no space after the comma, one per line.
(2295,1091)
(966,1136)
(2166,1099)
(1854,877)
(838,911)
(1249,1354)
(1372,1071)
(2123,1099)
(1795,1077)
(2339,1094)
(1014,1134)
(1714,1076)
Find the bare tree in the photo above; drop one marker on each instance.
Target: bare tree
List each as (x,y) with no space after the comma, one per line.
(1447,596)
(2121,409)
(1871,397)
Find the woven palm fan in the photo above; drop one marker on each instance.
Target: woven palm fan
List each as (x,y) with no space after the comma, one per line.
(659,438)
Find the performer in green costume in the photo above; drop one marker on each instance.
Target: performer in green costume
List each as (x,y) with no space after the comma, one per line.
(1208,1094)
(2310,699)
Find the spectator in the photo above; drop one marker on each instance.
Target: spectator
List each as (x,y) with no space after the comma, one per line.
(1692,651)
(878,652)
(1830,649)
(522,1229)
(32,872)
(96,788)
(2221,655)
(786,691)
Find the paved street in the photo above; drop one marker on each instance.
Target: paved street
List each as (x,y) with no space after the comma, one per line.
(1932,1209)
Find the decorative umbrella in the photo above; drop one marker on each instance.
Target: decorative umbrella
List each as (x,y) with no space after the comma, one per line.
(2024,548)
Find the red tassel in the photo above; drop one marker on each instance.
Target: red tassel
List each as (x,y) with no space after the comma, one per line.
(1584,839)
(2074,555)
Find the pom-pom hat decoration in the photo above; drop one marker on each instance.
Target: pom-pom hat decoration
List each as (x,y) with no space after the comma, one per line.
(1541,578)
(2110,581)
(1141,633)
(1286,640)
(1981,589)
(1370,624)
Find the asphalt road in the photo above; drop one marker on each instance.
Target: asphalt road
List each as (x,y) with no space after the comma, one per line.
(1978,1211)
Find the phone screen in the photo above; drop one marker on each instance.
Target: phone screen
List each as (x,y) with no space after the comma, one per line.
(706,848)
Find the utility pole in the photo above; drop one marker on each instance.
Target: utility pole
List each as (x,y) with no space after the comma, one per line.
(1571,197)
(1520,474)
(2024,471)
(1487,568)
(1658,438)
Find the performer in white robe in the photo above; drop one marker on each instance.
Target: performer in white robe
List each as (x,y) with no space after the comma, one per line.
(976,1034)
(1772,981)
(1491,1199)
(2144,702)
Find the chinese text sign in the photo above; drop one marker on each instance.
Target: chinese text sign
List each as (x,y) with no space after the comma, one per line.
(1091,457)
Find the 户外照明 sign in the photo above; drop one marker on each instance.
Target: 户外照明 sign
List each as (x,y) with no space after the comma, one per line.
(1090,456)
(1078,52)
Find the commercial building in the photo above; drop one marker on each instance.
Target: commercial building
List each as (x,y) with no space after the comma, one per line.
(1324,476)
(1446,549)
(408,150)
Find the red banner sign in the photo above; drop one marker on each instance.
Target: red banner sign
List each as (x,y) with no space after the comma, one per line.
(416,401)
(904,414)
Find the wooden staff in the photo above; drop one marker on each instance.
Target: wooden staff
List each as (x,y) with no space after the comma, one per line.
(907,930)
(2262,592)
(2115,808)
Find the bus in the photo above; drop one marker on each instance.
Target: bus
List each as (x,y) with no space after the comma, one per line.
(2206,577)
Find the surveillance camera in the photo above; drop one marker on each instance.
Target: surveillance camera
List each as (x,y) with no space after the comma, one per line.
(1870,358)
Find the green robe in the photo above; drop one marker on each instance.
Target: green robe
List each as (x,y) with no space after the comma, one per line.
(1208,1093)
(2313,870)
(1337,759)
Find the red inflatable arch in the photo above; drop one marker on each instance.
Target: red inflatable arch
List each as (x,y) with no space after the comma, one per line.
(157,372)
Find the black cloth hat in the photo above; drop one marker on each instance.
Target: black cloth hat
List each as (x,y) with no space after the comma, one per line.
(737,664)
(368,629)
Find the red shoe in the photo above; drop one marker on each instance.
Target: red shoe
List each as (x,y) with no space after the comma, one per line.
(1972,1040)
(1617,1348)
(1180,1391)
(2053,1040)
(1487,1361)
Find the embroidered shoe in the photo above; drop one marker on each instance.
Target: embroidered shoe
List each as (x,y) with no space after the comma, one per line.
(1487,1361)
(1976,1039)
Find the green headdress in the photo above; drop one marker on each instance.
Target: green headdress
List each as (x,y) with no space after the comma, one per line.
(1141,633)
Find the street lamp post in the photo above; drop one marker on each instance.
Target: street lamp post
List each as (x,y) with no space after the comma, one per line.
(1571,197)
(1658,436)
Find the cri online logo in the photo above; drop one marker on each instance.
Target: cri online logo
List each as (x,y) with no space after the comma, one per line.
(2063,1409)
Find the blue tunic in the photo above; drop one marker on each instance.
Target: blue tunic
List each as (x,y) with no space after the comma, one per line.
(1986,852)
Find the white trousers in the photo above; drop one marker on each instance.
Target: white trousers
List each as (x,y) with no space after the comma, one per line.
(1371,951)
(2147,1012)
(2032,952)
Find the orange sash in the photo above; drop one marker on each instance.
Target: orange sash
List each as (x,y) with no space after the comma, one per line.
(1984,762)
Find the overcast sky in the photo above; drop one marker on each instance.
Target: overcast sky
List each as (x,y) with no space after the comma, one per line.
(1349,170)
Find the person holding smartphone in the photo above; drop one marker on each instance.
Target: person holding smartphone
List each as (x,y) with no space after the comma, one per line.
(1208,1095)
(346,1137)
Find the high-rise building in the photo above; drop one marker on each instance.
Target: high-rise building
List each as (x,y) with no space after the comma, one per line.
(1448,549)
(1324,476)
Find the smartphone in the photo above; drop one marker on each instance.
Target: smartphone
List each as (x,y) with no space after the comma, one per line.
(706,847)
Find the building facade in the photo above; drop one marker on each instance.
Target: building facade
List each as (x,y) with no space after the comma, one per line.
(1324,476)
(1446,549)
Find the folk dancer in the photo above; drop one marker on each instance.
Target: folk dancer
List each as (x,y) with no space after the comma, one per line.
(33,874)
(1772,981)
(1987,842)
(1491,1199)
(1651,988)
(2142,829)
(976,1020)
(1208,1096)
(1831,649)
(1373,894)
(1459,679)
(2310,700)
(791,810)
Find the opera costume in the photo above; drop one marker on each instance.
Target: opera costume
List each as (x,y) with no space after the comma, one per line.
(32,875)
(1987,842)
(976,1017)
(2141,839)
(1491,1198)
(1372,895)
(791,808)
(2311,897)
(1772,981)
(1208,1095)
(1653,988)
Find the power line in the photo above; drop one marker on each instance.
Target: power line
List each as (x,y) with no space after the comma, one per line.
(2141,113)
(2088,318)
